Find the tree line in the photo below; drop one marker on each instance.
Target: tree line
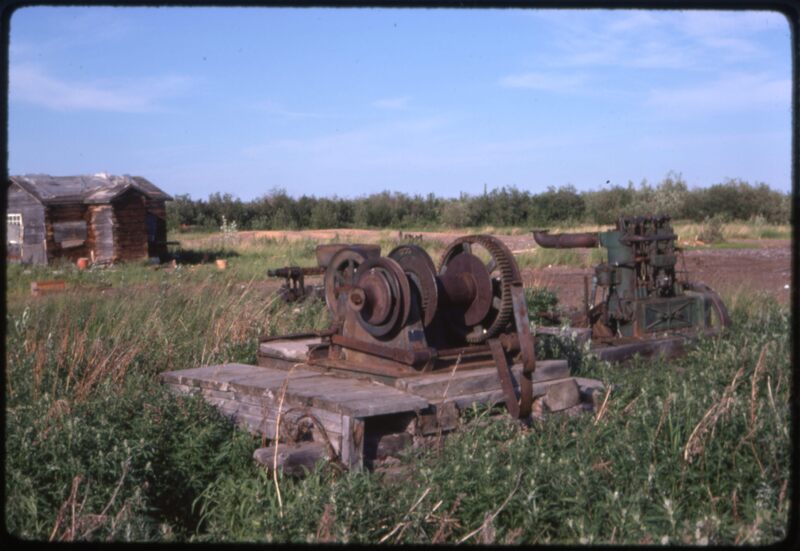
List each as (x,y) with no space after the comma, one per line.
(731,200)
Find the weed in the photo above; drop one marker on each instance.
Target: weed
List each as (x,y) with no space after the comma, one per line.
(711,231)
(97,449)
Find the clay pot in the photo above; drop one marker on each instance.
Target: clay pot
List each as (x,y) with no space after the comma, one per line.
(83,263)
(222,263)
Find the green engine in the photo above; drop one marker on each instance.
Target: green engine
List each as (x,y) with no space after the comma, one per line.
(642,290)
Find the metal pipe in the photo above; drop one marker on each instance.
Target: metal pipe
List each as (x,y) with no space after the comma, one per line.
(586,306)
(565,240)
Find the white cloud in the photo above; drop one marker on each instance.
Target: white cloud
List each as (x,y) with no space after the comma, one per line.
(719,23)
(656,39)
(77,28)
(735,92)
(392,103)
(551,82)
(274,108)
(30,84)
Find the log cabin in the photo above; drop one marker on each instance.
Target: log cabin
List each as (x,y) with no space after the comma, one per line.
(103,217)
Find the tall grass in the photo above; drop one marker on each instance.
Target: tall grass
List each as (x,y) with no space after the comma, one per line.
(95,447)
(695,450)
(625,477)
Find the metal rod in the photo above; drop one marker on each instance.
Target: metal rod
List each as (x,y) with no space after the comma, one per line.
(565,240)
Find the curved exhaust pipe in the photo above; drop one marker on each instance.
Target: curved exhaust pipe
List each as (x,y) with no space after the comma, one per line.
(565,240)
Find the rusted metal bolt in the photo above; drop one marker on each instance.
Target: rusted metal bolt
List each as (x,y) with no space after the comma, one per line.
(357,299)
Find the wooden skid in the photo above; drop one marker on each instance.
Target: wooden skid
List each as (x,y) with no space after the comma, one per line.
(348,415)
(353,397)
(257,397)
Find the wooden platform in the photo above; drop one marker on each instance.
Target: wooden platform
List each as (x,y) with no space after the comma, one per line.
(255,396)
(356,419)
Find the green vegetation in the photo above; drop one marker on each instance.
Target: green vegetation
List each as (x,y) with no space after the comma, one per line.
(540,258)
(695,450)
(504,207)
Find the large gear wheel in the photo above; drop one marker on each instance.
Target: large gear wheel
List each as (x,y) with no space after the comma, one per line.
(502,272)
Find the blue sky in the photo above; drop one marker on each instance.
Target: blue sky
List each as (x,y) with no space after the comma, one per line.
(356,101)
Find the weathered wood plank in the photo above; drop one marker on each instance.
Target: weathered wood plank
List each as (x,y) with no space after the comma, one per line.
(263,423)
(183,389)
(266,382)
(327,418)
(261,418)
(587,386)
(44,287)
(440,417)
(290,349)
(219,376)
(381,406)
(258,405)
(436,386)
(356,397)
(352,444)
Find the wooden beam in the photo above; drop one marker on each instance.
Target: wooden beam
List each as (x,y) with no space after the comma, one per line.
(352,446)
(444,385)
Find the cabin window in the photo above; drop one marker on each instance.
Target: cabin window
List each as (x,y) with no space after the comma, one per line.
(14,228)
(69,234)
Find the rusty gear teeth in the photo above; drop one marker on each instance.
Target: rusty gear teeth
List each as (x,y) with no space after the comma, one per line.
(509,273)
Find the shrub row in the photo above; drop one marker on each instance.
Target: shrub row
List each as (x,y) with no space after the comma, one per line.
(731,200)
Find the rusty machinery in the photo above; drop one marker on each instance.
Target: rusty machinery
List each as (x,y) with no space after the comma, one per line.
(294,287)
(644,294)
(397,315)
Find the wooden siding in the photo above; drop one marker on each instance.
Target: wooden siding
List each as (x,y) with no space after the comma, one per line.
(64,213)
(32,211)
(100,237)
(130,230)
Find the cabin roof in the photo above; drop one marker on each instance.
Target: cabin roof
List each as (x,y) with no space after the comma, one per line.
(90,189)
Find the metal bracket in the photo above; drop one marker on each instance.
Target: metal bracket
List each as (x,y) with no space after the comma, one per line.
(519,407)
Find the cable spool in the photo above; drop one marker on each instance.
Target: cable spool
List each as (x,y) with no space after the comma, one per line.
(478,292)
